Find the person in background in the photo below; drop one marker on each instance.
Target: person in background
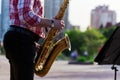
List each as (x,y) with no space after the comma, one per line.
(27,26)
(74,55)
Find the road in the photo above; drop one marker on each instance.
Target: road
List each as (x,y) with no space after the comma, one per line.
(61,70)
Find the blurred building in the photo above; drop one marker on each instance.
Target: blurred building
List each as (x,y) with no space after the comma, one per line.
(0,29)
(4,18)
(101,16)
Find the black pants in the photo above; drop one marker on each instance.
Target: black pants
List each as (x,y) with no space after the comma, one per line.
(20,51)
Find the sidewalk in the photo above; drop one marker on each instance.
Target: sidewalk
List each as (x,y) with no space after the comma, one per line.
(61,70)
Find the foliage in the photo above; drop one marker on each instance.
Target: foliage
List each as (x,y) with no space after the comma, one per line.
(61,56)
(75,39)
(93,39)
(81,59)
(89,40)
(2,51)
(107,31)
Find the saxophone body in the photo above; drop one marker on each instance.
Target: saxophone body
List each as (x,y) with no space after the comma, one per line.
(50,49)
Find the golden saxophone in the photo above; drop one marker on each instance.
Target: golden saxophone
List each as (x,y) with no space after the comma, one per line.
(49,50)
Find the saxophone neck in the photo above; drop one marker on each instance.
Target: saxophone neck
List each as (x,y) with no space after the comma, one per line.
(62,10)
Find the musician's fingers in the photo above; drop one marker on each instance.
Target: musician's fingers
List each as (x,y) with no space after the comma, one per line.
(63,24)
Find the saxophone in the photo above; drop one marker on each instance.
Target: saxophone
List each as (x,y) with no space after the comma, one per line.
(50,49)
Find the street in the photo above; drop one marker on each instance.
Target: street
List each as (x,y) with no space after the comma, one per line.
(61,70)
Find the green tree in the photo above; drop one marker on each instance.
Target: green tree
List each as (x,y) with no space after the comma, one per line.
(89,40)
(75,39)
(93,39)
(107,31)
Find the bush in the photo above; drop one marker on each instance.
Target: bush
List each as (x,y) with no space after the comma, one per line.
(81,59)
(61,56)
(85,59)
(2,51)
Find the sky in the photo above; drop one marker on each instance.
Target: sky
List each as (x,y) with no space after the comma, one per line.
(79,13)
(79,10)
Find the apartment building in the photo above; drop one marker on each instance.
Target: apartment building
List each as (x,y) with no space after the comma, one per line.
(101,16)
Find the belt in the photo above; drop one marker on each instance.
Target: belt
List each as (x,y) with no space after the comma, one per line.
(24,31)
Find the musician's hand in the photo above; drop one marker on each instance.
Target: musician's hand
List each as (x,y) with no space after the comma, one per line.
(58,24)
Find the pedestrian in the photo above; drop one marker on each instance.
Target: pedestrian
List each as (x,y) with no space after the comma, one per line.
(27,26)
(74,55)
(85,53)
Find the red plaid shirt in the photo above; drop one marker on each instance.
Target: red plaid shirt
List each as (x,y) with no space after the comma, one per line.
(27,14)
